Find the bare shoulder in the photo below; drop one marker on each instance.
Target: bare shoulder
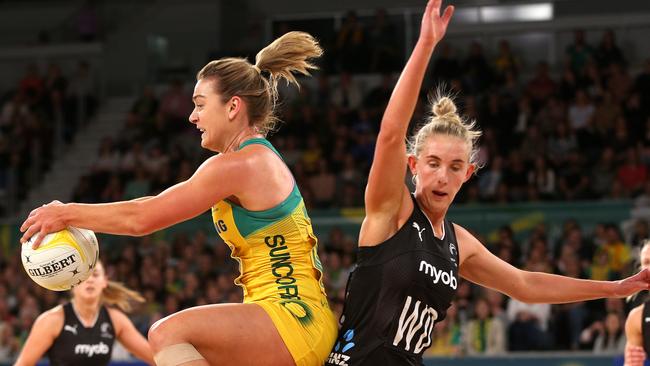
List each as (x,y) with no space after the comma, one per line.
(255,155)
(230,165)
(380,225)
(117,317)
(634,317)
(51,320)
(54,314)
(633,331)
(254,158)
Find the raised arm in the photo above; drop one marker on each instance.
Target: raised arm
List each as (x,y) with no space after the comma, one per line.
(385,190)
(386,180)
(217,178)
(43,333)
(484,268)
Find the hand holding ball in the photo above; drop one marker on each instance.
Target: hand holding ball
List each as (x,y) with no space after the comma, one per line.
(63,260)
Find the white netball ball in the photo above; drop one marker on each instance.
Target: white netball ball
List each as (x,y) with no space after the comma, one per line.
(63,260)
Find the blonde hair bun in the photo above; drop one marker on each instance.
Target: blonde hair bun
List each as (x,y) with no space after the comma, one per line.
(444,106)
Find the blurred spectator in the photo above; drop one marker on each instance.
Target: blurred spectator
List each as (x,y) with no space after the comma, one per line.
(618,252)
(541,86)
(477,73)
(538,258)
(175,106)
(15,111)
(608,336)
(528,326)
(490,178)
(351,44)
(138,186)
(31,85)
(640,232)
(506,61)
(384,44)
(376,99)
(82,100)
(619,82)
(145,107)
(533,144)
(561,143)
(514,176)
(579,52)
(605,114)
(553,113)
(9,345)
(347,96)
(484,334)
(592,80)
(573,183)
(113,191)
(55,87)
(643,200)
(445,66)
(323,184)
(608,51)
(569,318)
(632,174)
(447,335)
(634,115)
(569,84)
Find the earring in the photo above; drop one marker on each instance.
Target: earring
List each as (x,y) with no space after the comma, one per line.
(414,178)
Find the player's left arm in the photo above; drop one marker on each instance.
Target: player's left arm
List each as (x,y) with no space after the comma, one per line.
(484,268)
(41,337)
(130,338)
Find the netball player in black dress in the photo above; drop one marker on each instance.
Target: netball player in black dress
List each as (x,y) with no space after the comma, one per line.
(82,331)
(410,256)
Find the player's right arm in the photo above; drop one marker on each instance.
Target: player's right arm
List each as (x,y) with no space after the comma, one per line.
(44,331)
(634,353)
(386,192)
(216,179)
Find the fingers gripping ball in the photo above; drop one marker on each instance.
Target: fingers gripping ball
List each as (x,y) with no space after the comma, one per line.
(63,260)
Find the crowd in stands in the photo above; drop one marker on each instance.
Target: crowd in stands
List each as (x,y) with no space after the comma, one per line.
(39,115)
(582,132)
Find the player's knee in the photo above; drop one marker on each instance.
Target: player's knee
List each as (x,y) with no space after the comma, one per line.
(160,334)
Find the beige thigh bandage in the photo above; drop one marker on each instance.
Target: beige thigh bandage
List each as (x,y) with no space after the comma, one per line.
(177,354)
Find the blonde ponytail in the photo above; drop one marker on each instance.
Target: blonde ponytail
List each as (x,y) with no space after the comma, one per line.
(237,77)
(116,294)
(288,54)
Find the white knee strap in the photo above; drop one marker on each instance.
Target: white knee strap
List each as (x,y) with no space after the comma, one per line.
(177,354)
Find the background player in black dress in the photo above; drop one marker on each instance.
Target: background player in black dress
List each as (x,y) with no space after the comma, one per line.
(82,331)
(637,329)
(410,256)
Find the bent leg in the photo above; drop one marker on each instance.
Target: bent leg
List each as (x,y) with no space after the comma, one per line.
(232,334)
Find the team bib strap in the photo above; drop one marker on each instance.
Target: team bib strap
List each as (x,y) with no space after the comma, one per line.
(177,354)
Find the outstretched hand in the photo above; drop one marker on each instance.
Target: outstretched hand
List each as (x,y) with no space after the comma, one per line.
(633,284)
(434,26)
(42,221)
